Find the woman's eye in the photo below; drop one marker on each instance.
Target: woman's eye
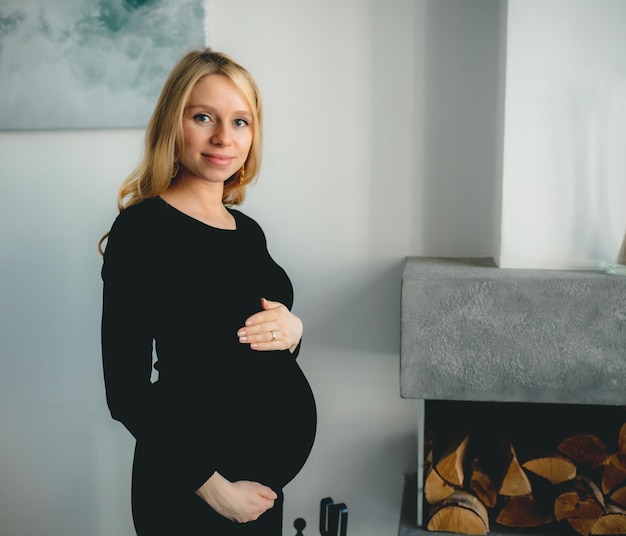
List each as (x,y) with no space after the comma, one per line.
(202,118)
(241,123)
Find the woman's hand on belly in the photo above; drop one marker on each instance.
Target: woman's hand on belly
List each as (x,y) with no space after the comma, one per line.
(273,328)
(240,501)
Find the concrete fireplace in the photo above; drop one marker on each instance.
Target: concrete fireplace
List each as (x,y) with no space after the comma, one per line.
(473,332)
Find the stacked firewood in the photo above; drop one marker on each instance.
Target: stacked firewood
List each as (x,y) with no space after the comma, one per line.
(578,484)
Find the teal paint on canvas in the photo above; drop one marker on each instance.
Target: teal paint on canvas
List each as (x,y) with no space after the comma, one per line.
(81,64)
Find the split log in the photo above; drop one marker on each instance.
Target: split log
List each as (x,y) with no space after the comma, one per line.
(581,498)
(584,526)
(614,473)
(450,466)
(515,481)
(462,513)
(602,525)
(523,512)
(581,525)
(436,489)
(482,485)
(554,468)
(587,450)
(609,524)
(618,496)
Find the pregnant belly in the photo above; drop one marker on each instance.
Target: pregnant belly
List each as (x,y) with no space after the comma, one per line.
(270,421)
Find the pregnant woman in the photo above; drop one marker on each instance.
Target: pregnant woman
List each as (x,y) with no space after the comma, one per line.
(192,295)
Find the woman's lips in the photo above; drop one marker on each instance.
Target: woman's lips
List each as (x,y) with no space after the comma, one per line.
(219,160)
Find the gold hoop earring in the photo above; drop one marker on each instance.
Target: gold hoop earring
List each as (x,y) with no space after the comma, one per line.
(242,175)
(174,169)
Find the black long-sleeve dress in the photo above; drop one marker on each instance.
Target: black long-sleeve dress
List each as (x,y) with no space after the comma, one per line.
(179,289)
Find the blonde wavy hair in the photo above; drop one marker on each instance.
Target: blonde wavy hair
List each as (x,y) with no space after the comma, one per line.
(164,134)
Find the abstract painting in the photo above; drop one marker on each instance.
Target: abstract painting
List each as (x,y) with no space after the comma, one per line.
(89,64)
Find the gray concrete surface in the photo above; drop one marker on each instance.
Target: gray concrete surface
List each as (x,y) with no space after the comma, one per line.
(473,331)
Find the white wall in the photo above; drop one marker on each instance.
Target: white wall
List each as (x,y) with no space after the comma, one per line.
(458,168)
(63,462)
(564,175)
(382,121)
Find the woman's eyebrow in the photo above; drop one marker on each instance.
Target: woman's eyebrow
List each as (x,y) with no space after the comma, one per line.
(212,109)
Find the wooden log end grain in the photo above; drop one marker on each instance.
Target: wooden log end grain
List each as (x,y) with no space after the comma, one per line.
(580,497)
(618,496)
(450,466)
(614,473)
(461,513)
(436,489)
(555,469)
(609,524)
(587,450)
(515,481)
(581,525)
(523,512)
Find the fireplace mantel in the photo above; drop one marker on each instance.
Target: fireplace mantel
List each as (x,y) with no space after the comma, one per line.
(471,331)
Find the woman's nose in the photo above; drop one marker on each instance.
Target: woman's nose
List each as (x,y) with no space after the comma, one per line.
(221,135)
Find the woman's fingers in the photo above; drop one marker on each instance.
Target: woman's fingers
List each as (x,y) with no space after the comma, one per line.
(241,501)
(273,328)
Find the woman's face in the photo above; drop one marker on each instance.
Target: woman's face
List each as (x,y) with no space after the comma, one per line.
(217,130)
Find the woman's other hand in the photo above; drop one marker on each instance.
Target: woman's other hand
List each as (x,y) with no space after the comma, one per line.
(241,501)
(273,328)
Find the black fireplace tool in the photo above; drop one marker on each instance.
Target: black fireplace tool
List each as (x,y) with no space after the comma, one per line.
(333,519)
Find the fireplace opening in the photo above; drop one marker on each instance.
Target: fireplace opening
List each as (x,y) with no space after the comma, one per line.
(508,467)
